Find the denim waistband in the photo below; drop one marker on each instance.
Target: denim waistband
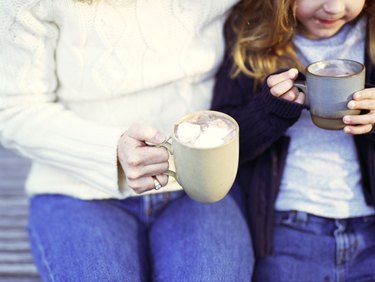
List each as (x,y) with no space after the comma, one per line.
(323,224)
(147,207)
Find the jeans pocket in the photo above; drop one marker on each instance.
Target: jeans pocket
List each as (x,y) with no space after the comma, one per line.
(296,220)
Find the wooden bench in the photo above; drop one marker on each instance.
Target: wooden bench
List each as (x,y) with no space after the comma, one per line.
(16,263)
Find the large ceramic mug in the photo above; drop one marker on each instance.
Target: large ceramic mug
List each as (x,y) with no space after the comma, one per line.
(329,86)
(205,147)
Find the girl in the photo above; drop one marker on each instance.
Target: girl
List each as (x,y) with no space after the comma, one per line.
(75,78)
(311,192)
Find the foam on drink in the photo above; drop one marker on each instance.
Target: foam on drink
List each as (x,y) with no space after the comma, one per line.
(205,131)
(334,72)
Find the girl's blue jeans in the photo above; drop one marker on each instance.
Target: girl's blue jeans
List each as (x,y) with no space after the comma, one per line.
(312,248)
(161,237)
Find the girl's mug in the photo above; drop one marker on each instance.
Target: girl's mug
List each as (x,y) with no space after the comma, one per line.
(329,86)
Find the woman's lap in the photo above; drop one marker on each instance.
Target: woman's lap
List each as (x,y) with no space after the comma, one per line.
(76,240)
(202,242)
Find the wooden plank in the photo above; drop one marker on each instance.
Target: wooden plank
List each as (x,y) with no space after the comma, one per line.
(19,279)
(22,246)
(16,262)
(14,214)
(14,258)
(21,269)
(14,203)
(14,235)
(10,222)
(6,193)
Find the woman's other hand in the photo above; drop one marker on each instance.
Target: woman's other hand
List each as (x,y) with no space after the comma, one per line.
(360,124)
(281,85)
(139,161)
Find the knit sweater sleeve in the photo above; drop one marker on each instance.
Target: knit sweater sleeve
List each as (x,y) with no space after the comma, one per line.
(262,118)
(32,121)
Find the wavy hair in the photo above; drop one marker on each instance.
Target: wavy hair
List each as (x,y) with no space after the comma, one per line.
(263,36)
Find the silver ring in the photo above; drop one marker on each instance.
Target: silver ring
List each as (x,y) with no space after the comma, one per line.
(157,184)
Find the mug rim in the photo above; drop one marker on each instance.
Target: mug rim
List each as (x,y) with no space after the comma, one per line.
(360,71)
(186,117)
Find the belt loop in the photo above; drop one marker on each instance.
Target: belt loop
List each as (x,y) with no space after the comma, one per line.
(289,217)
(340,225)
(301,217)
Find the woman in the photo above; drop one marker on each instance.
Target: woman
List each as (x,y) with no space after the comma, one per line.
(85,87)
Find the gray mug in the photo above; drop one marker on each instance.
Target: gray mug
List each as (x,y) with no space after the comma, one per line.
(329,86)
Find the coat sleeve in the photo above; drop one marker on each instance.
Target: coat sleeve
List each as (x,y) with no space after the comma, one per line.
(262,118)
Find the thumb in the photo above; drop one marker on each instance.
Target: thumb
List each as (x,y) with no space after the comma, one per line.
(157,138)
(145,133)
(293,73)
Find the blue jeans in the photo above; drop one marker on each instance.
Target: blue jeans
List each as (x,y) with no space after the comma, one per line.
(162,237)
(312,248)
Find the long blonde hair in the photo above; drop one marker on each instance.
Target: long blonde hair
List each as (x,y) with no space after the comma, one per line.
(264,31)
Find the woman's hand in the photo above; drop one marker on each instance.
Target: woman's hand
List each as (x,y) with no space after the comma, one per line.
(281,85)
(361,124)
(139,161)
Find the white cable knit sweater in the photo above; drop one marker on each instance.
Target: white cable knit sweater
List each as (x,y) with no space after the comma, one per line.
(74,76)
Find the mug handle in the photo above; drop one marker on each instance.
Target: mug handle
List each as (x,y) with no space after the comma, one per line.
(167,144)
(300,84)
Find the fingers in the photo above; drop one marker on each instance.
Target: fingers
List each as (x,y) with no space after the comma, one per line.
(136,172)
(300,98)
(278,78)
(282,86)
(358,129)
(359,124)
(365,104)
(133,150)
(144,184)
(140,161)
(144,156)
(292,95)
(367,93)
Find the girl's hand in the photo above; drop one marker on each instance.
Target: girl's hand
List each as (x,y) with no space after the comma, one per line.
(361,124)
(281,85)
(139,161)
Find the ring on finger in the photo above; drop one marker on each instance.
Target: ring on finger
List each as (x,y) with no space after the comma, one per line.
(157,184)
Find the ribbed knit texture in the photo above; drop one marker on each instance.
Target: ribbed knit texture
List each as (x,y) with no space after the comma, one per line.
(74,76)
